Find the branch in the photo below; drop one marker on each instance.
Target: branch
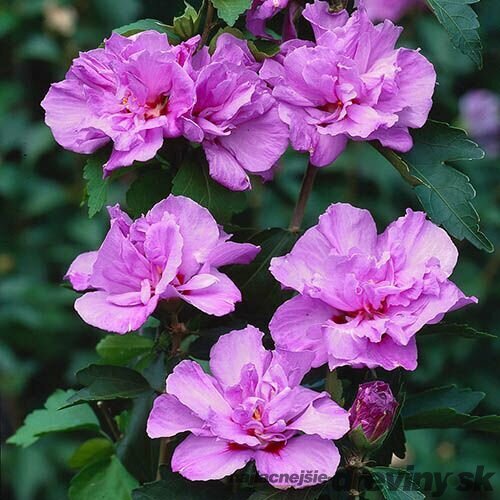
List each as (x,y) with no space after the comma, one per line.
(208,24)
(115,432)
(305,191)
(162,457)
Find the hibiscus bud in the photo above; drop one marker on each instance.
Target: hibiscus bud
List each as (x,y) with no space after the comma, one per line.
(372,413)
(188,24)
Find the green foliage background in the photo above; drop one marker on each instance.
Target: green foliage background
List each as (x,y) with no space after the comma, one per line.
(43,342)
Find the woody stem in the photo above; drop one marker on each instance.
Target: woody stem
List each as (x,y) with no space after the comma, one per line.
(355,484)
(109,420)
(162,458)
(177,330)
(208,23)
(305,191)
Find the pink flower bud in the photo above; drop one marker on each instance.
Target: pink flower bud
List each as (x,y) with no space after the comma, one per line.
(373,409)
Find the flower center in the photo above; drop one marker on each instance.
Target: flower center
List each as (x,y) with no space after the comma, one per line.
(257,414)
(152,109)
(275,447)
(157,108)
(332,107)
(369,312)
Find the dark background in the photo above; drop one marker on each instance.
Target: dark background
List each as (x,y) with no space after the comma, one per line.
(44,226)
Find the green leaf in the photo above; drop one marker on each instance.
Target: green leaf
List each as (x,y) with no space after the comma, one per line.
(461,23)
(193,180)
(445,193)
(488,423)
(93,450)
(175,487)
(136,443)
(120,349)
(147,24)
(462,400)
(97,187)
(395,484)
(260,49)
(105,480)
(188,24)
(152,186)
(52,419)
(441,407)
(447,407)
(104,382)
(262,293)
(263,49)
(333,385)
(456,330)
(230,10)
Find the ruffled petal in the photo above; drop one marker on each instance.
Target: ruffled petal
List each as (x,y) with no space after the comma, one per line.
(324,418)
(225,168)
(235,350)
(206,458)
(80,270)
(283,467)
(196,390)
(297,326)
(347,227)
(199,230)
(168,417)
(230,252)
(218,298)
(96,310)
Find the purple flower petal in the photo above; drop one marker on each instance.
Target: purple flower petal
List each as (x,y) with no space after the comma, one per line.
(206,458)
(196,390)
(297,326)
(301,454)
(230,252)
(218,298)
(80,271)
(324,418)
(96,310)
(169,417)
(224,167)
(347,227)
(235,350)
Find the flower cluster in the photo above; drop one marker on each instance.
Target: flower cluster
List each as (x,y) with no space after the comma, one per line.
(252,408)
(140,90)
(170,254)
(350,84)
(361,297)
